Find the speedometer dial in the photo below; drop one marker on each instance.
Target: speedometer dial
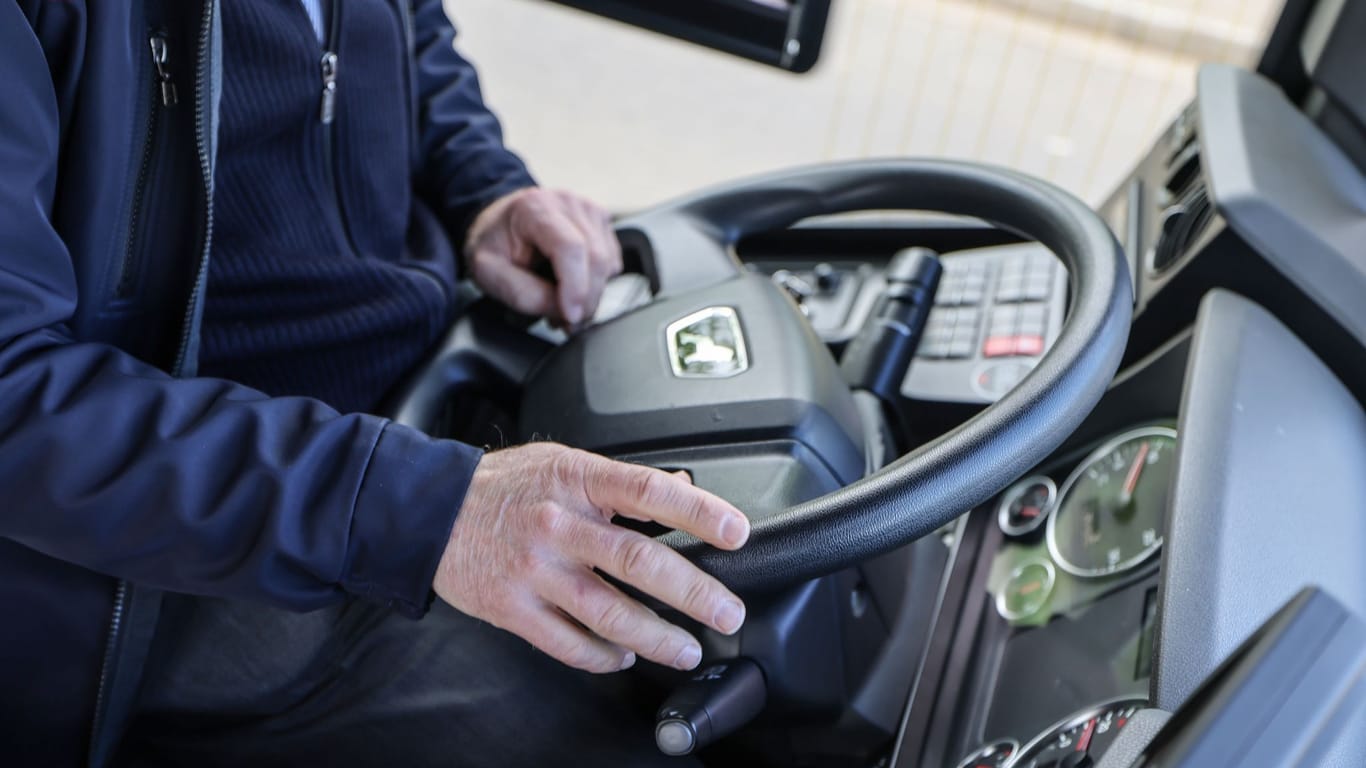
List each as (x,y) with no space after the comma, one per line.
(1081,739)
(1110,511)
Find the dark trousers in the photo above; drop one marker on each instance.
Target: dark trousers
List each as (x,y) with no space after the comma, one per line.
(237,684)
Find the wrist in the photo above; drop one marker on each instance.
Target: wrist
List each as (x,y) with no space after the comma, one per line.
(401,523)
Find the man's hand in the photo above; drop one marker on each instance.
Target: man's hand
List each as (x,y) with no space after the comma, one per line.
(537,521)
(572,233)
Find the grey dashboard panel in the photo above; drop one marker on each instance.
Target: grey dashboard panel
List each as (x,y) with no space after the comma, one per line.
(1269,496)
(1287,189)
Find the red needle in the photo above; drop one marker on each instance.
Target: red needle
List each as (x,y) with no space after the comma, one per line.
(1084,743)
(1135,471)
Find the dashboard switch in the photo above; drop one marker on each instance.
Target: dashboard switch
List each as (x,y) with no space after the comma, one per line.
(999,346)
(1013,346)
(1030,346)
(828,278)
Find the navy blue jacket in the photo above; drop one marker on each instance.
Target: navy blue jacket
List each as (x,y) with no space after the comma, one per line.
(118,466)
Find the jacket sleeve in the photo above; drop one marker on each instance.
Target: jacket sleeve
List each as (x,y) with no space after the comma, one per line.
(193,485)
(463,165)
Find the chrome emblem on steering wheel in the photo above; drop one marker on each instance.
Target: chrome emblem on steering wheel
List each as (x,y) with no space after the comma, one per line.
(708,344)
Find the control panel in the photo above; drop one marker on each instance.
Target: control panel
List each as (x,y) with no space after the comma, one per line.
(996,312)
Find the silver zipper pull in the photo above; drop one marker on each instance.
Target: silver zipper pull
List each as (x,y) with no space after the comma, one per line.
(160,55)
(329,101)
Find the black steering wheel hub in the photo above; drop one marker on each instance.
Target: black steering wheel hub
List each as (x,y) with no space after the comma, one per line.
(733,363)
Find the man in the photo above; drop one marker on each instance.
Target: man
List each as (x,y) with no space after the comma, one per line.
(226,228)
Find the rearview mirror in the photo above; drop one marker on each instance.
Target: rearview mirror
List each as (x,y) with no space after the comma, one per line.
(783,33)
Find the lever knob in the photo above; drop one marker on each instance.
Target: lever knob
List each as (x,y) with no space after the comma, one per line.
(715,703)
(877,358)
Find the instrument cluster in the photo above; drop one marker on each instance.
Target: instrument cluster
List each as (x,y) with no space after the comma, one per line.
(1075,741)
(1068,543)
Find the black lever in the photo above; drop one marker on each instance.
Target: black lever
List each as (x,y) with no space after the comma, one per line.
(877,358)
(712,705)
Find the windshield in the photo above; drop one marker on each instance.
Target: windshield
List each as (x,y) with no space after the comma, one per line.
(1070,90)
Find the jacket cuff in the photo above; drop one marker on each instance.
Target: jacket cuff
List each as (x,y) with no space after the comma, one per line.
(411,491)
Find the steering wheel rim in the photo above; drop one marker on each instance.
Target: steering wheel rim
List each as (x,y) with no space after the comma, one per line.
(689,244)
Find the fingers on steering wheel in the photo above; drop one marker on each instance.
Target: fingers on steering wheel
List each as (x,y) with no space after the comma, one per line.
(604,248)
(652,495)
(560,638)
(559,239)
(656,570)
(616,618)
(515,285)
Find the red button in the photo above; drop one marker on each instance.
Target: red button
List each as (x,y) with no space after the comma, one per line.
(1000,346)
(1011,346)
(1029,345)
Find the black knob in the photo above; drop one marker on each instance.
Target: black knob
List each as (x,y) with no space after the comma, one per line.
(715,703)
(827,277)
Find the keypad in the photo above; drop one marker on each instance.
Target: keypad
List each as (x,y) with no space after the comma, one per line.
(991,308)
(951,332)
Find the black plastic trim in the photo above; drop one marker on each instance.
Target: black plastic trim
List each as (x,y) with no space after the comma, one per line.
(788,38)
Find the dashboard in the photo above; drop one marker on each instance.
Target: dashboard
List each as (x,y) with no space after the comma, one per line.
(1052,642)
(1055,621)
(1217,477)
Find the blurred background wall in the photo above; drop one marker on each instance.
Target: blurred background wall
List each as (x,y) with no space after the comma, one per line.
(1072,90)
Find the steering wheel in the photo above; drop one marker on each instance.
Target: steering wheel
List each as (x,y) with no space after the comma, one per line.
(687,251)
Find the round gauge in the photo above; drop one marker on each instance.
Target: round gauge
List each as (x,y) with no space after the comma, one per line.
(1110,511)
(994,755)
(1079,740)
(1026,505)
(1026,592)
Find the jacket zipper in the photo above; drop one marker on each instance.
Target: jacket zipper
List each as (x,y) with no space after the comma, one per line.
(203,72)
(164,87)
(327,115)
(110,647)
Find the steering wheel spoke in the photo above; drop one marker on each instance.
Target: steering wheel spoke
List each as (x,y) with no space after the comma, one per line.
(678,253)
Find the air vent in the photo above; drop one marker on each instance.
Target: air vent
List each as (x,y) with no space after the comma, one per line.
(1182,225)
(1183,156)
(1183,168)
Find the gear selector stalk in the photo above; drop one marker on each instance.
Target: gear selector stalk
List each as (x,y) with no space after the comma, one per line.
(877,358)
(716,702)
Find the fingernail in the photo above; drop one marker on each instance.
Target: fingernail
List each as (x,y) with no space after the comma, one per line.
(573,314)
(629,661)
(689,657)
(730,617)
(735,531)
